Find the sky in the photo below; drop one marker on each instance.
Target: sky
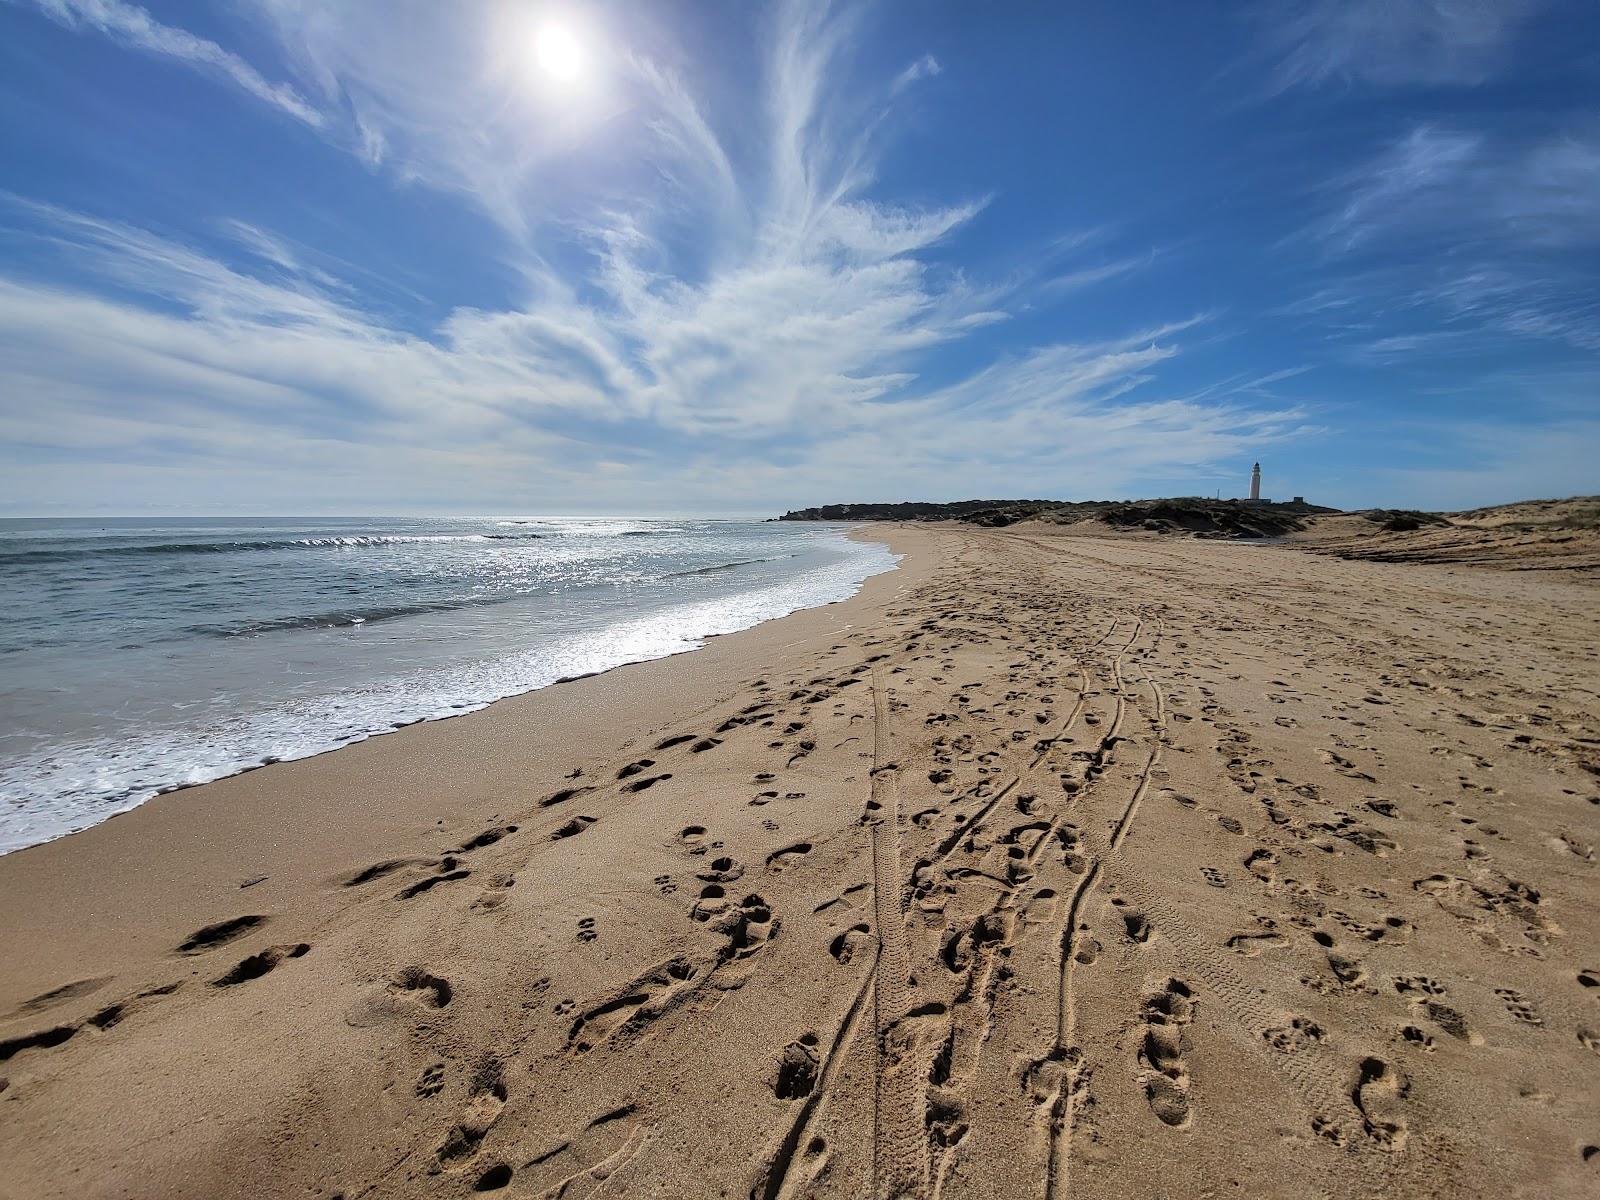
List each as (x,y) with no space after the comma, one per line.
(529,256)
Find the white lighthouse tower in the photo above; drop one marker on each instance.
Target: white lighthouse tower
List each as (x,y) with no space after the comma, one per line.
(1255,482)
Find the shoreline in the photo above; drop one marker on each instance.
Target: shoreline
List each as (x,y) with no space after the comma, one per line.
(217,822)
(226,763)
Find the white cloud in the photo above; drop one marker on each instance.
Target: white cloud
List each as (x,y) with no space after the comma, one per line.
(134,27)
(1421,172)
(1463,232)
(738,321)
(1390,42)
(924,68)
(1451,184)
(730,399)
(1086,277)
(450,97)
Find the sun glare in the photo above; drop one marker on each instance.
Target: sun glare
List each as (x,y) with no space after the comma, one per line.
(558,53)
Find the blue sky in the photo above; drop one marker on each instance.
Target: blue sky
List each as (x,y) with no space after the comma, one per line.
(289,256)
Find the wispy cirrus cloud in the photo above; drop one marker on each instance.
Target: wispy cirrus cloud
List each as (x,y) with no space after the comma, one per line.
(1448,230)
(134,27)
(1405,184)
(1081,278)
(739,311)
(1388,43)
(923,68)
(448,98)
(227,379)
(1467,187)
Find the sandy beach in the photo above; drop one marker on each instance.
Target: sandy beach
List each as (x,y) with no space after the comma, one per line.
(1048,865)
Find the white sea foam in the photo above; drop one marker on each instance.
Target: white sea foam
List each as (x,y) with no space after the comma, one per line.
(80,783)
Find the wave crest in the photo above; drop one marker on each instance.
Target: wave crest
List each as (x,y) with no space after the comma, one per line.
(332,542)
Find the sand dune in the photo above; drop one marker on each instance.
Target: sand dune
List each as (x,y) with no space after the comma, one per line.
(1048,866)
(1535,535)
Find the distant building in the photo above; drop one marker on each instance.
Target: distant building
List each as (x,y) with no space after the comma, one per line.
(1255,487)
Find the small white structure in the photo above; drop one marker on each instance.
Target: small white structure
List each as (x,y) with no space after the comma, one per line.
(1255,487)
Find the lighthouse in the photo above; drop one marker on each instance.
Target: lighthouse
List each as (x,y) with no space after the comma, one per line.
(1255,482)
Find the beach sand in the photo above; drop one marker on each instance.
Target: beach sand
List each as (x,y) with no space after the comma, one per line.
(1046,866)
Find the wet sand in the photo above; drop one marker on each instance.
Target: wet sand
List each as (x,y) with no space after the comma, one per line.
(1046,866)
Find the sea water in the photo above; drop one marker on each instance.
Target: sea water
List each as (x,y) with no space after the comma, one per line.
(137,656)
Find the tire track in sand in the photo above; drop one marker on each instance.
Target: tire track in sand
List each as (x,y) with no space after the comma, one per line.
(899,1164)
(774,1181)
(1158,727)
(1065,1058)
(1065,1055)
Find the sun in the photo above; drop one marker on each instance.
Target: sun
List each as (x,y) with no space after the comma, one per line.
(559,53)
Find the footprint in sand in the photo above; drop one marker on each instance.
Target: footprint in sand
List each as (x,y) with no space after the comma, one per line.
(634,1006)
(1134,922)
(258,965)
(485,1102)
(797,1068)
(1087,948)
(1167,1014)
(721,870)
(1252,944)
(1260,863)
(712,902)
(1297,1035)
(1418,1038)
(1451,1021)
(495,891)
(1040,908)
(1519,1006)
(487,838)
(448,873)
(60,995)
(579,1164)
(211,936)
(105,1018)
(1378,1092)
(1348,971)
(748,928)
(431,1082)
(572,828)
(649,781)
(1420,984)
(845,945)
(779,859)
(399,996)
(564,795)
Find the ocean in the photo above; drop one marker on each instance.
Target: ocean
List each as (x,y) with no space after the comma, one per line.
(141,655)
